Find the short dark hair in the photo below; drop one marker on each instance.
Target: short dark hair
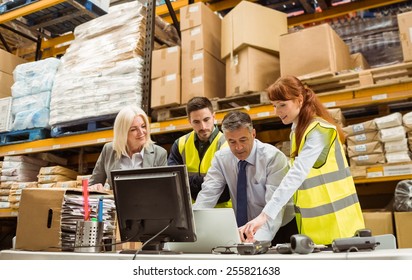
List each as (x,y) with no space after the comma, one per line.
(235,120)
(198,103)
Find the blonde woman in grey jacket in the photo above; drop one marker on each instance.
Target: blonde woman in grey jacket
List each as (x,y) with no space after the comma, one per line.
(131,148)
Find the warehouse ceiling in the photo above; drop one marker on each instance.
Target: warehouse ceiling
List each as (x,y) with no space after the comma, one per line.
(17,37)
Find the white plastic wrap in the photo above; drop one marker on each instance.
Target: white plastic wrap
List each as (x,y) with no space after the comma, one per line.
(31,119)
(407,120)
(403,196)
(392,134)
(391,120)
(403,156)
(101,71)
(31,102)
(28,71)
(396,146)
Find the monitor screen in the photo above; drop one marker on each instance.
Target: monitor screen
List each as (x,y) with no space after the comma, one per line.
(148,200)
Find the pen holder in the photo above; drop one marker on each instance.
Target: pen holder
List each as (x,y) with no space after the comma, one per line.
(89,236)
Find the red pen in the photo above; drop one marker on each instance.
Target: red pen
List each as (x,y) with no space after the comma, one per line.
(85,184)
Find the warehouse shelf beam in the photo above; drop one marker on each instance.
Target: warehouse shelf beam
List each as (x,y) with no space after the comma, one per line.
(28,9)
(58,143)
(340,10)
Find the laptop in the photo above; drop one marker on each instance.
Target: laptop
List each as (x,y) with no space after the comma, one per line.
(214,227)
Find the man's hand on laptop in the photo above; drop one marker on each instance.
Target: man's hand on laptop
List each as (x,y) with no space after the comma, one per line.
(243,236)
(248,231)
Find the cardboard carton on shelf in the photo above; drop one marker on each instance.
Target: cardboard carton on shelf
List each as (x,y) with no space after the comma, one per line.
(405,32)
(165,62)
(202,75)
(251,70)
(166,91)
(378,221)
(403,225)
(323,52)
(9,61)
(250,24)
(201,29)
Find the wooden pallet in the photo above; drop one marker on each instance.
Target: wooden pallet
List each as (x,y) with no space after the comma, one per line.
(386,75)
(83,126)
(26,135)
(242,100)
(174,112)
(219,104)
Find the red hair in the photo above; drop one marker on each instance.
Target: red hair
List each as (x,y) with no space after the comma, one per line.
(291,88)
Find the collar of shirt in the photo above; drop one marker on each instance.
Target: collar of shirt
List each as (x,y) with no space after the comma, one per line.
(136,161)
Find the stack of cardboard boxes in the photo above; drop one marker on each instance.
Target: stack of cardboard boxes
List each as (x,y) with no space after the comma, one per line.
(203,73)
(250,47)
(166,77)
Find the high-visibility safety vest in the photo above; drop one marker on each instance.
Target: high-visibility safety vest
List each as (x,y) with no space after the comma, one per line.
(193,163)
(326,204)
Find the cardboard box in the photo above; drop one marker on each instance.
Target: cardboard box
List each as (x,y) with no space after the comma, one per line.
(166,91)
(313,51)
(9,61)
(403,225)
(6,81)
(197,14)
(6,119)
(39,224)
(165,62)
(202,37)
(39,221)
(366,78)
(202,75)
(405,34)
(358,61)
(251,69)
(378,222)
(250,24)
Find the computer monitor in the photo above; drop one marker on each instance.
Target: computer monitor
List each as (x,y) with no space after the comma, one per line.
(148,200)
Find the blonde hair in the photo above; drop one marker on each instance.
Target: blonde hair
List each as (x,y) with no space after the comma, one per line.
(122,123)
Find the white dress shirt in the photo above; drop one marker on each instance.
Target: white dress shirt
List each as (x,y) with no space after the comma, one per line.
(136,161)
(265,170)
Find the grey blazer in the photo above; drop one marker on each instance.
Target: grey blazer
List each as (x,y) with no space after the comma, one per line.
(154,155)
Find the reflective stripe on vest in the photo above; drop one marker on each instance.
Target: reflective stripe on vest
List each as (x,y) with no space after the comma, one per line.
(326,205)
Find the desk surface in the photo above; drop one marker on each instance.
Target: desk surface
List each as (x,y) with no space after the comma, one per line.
(366,255)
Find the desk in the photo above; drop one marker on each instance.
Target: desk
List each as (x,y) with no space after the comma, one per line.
(390,254)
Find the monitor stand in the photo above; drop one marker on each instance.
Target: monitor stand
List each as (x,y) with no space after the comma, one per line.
(155,248)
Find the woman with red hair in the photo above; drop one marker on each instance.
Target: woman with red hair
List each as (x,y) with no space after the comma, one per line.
(326,203)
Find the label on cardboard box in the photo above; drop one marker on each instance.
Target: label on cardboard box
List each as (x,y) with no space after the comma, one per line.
(360,148)
(171,77)
(193,9)
(195,31)
(358,128)
(197,56)
(197,79)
